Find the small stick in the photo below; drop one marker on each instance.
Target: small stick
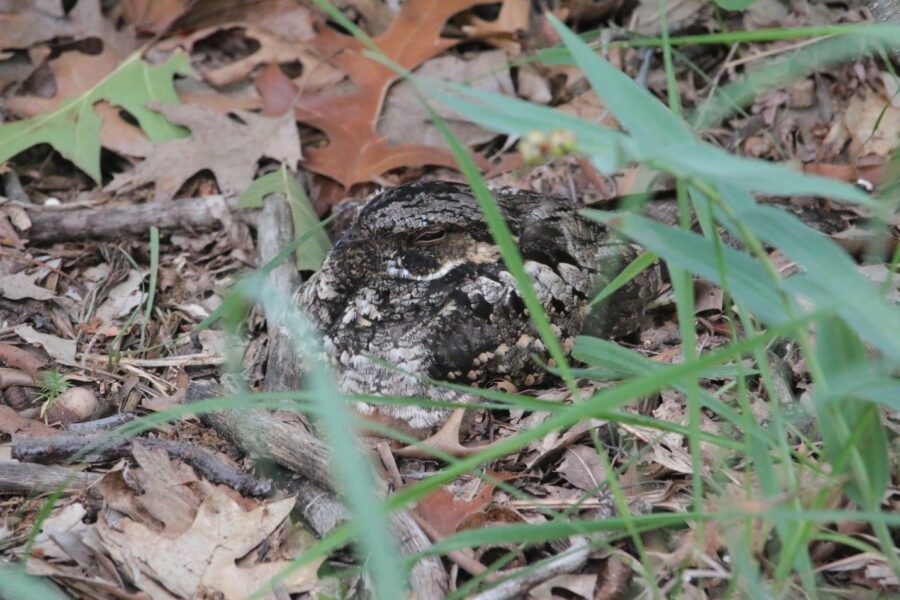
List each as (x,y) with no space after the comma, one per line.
(103,424)
(463,558)
(60,224)
(63,447)
(572,560)
(21,479)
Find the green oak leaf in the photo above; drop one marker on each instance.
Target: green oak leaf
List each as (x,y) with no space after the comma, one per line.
(311,255)
(73,129)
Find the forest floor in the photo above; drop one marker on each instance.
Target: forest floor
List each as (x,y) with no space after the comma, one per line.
(132,130)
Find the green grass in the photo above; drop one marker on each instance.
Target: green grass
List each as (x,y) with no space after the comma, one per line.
(849,336)
(718,187)
(53,385)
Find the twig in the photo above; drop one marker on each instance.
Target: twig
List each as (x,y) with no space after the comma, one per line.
(185,360)
(463,558)
(63,447)
(28,478)
(573,559)
(318,506)
(103,424)
(58,224)
(265,435)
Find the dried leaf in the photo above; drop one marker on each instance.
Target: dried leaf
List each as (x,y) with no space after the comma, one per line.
(277,90)
(175,535)
(582,468)
(505,30)
(615,579)
(63,351)
(356,152)
(204,556)
(21,285)
(445,513)
(874,125)
(278,43)
(405,120)
(588,105)
(288,19)
(11,423)
(123,298)
(764,13)
(74,73)
(873,564)
(879,274)
(680,14)
(153,16)
(73,128)
(19,358)
(69,520)
(709,297)
(533,86)
(241,96)
(16,215)
(170,490)
(576,586)
(226,146)
(24,23)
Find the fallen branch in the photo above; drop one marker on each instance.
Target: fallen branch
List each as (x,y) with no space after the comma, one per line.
(63,447)
(19,479)
(319,506)
(59,224)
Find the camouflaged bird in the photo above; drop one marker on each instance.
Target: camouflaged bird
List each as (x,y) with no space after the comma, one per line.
(417,282)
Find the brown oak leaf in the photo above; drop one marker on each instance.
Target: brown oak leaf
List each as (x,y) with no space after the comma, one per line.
(278,41)
(228,147)
(276,89)
(504,31)
(24,23)
(444,512)
(405,120)
(153,16)
(356,152)
(206,538)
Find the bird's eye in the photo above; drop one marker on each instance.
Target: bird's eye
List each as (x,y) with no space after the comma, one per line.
(428,237)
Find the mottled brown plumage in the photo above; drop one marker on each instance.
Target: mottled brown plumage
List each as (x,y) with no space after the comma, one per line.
(417,282)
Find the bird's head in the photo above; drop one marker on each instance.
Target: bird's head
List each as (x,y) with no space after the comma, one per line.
(420,232)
